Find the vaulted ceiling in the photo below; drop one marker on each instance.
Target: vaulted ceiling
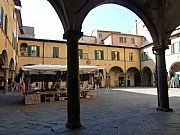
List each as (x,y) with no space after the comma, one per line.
(160,16)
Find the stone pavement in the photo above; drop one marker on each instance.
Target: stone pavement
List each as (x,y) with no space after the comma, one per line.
(120,112)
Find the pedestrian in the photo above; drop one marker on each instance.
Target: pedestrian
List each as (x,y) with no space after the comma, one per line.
(108,84)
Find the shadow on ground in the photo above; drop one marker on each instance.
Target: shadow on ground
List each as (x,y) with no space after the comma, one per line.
(115,113)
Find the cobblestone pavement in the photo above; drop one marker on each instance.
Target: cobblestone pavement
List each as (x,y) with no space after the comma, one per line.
(120,112)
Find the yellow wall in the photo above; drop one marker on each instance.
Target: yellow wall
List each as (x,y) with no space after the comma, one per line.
(6,40)
(88,49)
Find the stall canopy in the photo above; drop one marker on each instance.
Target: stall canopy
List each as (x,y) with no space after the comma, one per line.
(52,69)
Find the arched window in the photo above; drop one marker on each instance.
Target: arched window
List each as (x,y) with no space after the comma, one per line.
(24,49)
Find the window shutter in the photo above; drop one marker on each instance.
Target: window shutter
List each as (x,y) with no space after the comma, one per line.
(118,58)
(53,52)
(102,55)
(6,25)
(2,17)
(29,50)
(38,51)
(112,55)
(96,55)
(57,52)
(141,56)
(81,54)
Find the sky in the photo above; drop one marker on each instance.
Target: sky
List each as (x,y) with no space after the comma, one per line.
(41,15)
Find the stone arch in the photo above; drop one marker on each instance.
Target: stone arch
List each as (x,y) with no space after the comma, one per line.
(117,76)
(146,77)
(5,57)
(73,17)
(133,77)
(174,68)
(174,74)
(149,24)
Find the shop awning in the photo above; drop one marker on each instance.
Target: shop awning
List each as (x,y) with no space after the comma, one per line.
(52,69)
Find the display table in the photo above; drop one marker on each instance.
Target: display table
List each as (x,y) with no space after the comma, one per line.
(32,99)
(87,93)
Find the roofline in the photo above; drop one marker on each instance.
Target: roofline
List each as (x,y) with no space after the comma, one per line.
(80,43)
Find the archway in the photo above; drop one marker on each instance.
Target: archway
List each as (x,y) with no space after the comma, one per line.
(174,73)
(5,72)
(146,77)
(5,57)
(133,77)
(72,14)
(11,74)
(117,76)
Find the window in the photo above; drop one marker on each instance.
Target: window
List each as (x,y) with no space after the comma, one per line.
(132,41)
(172,49)
(122,39)
(2,17)
(125,40)
(80,53)
(6,25)
(33,51)
(115,55)
(55,52)
(144,56)
(99,55)
(130,56)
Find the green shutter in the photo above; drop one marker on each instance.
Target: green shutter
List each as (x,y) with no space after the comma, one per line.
(38,51)
(141,56)
(81,54)
(112,55)
(102,55)
(6,25)
(29,50)
(118,58)
(96,55)
(55,52)
(2,17)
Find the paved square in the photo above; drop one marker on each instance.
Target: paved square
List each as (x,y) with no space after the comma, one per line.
(123,111)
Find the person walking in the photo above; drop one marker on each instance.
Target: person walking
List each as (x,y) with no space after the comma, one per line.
(108,84)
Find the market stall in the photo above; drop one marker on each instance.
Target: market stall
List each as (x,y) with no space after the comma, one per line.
(45,83)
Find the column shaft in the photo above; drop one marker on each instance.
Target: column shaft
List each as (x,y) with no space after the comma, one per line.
(162,84)
(73,102)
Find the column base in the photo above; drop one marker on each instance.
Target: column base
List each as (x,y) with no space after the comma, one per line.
(164,109)
(73,126)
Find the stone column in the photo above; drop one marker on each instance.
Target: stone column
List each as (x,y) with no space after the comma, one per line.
(73,102)
(6,75)
(162,84)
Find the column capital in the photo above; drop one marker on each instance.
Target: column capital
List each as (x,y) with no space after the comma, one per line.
(159,49)
(73,34)
(5,68)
